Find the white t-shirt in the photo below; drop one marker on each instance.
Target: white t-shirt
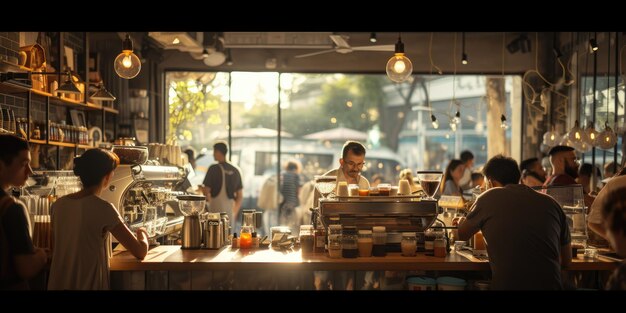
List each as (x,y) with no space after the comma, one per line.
(82,244)
(595,214)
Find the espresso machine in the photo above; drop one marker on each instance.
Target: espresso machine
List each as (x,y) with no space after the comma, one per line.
(145,196)
(397,213)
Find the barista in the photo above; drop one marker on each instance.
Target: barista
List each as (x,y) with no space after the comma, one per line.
(350,165)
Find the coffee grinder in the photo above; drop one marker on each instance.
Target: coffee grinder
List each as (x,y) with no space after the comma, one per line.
(191,206)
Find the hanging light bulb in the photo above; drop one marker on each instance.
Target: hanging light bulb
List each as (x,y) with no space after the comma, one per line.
(127,64)
(373,37)
(551,138)
(576,135)
(503,122)
(453,125)
(591,134)
(434,121)
(607,138)
(457,117)
(583,147)
(399,67)
(564,141)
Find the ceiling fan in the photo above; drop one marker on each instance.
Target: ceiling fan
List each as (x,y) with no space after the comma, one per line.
(342,46)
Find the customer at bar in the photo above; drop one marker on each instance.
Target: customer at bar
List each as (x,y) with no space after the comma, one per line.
(467,157)
(564,166)
(614,215)
(452,179)
(533,174)
(528,240)
(585,175)
(19,259)
(594,219)
(81,223)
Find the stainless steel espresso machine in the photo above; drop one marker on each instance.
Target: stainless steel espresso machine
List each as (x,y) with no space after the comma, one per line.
(145,196)
(397,213)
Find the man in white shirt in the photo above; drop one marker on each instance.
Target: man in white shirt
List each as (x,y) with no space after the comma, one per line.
(594,219)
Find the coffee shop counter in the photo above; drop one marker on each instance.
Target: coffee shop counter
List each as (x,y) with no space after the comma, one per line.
(173,258)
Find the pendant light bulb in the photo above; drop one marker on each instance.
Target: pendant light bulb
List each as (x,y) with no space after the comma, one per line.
(457,117)
(551,138)
(453,126)
(576,135)
(399,67)
(607,138)
(434,121)
(503,123)
(127,65)
(591,134)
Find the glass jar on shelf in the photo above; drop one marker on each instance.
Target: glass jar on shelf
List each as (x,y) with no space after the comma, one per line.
(349,241)
(408,244)
(334,241)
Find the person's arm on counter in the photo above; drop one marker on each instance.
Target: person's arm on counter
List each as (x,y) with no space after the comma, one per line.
(138,246)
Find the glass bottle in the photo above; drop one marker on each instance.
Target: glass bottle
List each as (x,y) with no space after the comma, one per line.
(245,241)
(307,240)
(408,244)
(349,242)
(429,242)
(439,245)
(365,243)
(320,239)
(334,241)
(379,238)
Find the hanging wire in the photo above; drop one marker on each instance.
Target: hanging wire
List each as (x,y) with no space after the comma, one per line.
(608,73)
(430,56)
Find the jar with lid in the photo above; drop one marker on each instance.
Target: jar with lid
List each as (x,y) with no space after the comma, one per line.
(245,240)
(349,242)
(429,242)
(334,241)
(379,238)
(439,245)
(307,240)
(320,239)
(365,243)
(408,244)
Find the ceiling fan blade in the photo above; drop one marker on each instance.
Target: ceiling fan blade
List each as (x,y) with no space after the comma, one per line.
(340,41)
(375,48)
(313,53)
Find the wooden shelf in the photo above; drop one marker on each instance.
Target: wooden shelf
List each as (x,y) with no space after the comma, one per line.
(84,146)
(37,141)
(62,144)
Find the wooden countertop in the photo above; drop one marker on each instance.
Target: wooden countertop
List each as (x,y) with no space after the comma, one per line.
(173,258)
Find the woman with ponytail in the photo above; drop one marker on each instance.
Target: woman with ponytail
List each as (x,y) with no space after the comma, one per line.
(81,223)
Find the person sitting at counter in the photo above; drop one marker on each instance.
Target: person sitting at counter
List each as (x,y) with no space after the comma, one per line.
(452,177)
(526,232)
(81,223)
(595,221)
(614,215)
(564,166)
(20,260)
(533,173)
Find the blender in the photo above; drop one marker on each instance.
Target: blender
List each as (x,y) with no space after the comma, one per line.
(191,206)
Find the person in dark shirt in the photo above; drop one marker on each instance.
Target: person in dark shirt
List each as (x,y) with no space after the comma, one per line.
(222,174)
(614,216)
(290,188)
(527,236)
(533,173)
(564,166)
(19,260)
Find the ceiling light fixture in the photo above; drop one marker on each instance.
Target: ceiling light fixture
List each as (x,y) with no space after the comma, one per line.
(175,41)
(102,94)
(373,37)
(399,67)
(434,121)
(503,122)
(464,55)
(593,44)
(127,65)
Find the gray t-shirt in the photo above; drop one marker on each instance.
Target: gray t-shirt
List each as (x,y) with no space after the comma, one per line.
(524,231)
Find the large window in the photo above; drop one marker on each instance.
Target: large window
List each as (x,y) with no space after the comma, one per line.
(319,112)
